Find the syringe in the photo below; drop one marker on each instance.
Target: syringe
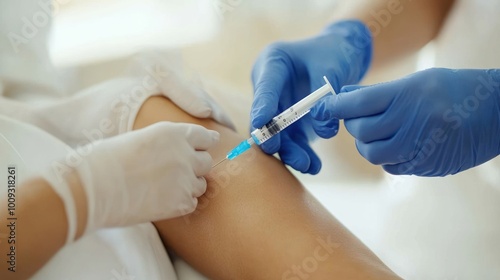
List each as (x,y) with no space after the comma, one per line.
(280,122)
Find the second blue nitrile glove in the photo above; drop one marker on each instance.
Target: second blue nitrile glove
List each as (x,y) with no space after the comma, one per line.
(286,72)
(432,123)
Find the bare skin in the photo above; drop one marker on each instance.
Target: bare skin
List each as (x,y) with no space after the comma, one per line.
(256,221)
(399,27)
(39,237)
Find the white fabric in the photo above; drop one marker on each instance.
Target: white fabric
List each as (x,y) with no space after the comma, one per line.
(25,69)
(110,108)
(449,228)
(135,252)
(188,94)
(99,112)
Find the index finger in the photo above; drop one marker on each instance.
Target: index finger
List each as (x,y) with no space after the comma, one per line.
(269,76)
(201,138)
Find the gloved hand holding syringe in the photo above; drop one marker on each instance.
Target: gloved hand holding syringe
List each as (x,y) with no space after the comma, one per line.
(280,122)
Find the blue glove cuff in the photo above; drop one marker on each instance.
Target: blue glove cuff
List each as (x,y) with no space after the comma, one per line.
(359,36)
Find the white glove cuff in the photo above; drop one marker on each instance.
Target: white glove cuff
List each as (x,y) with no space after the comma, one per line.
(85,173)
(63,190)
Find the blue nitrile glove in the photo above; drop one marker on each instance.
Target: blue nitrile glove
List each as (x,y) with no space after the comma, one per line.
(286,72)
(432,123)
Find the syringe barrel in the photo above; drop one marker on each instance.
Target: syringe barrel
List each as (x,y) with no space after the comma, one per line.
(290,115)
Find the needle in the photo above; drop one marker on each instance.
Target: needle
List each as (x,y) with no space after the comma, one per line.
(219,162)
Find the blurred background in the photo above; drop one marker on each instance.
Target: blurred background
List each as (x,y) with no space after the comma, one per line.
(219,40)
(94,40)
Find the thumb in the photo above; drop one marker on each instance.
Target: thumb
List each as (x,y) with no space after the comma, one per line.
(201,138)
(354,102)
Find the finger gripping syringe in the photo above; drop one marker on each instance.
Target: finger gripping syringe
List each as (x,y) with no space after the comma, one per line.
(281,121)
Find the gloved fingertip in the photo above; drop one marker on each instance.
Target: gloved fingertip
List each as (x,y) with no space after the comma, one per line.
(326,133)
(215,135)
(204,112)
(394,169)
(263,109)
(294,156)
(314,161)
(326,129)
(300,163)
(272,145)
(194,204)
(315,166)
(257,121)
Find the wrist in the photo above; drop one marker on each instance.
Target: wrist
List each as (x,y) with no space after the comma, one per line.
(359,44)
(68,187)
(493,84)
(102,182)
(75,185)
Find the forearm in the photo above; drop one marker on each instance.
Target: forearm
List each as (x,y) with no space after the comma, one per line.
(39,230)
(399,27)
(256,221)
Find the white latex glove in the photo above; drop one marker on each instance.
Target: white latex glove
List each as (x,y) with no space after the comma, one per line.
(146,175)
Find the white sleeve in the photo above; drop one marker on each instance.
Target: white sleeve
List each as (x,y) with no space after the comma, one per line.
(99,112)
(110,108)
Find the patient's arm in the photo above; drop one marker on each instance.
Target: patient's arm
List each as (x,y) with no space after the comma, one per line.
(256,221)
